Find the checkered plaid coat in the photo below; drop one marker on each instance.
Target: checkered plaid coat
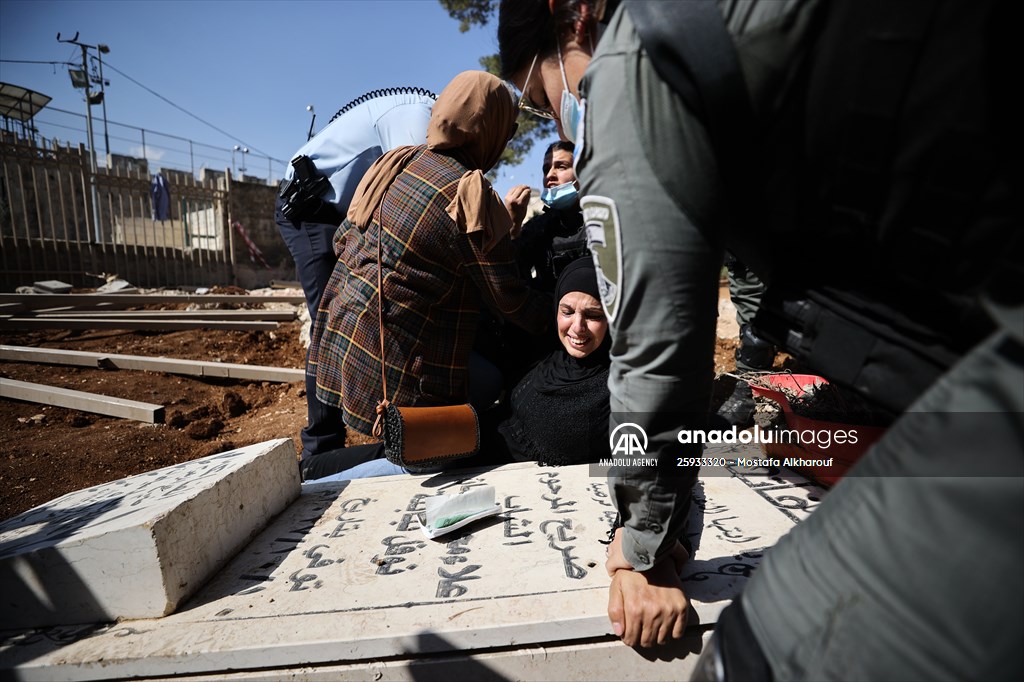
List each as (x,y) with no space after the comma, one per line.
(435,280)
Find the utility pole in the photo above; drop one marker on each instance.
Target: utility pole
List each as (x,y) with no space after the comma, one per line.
(102,50)
(92,150)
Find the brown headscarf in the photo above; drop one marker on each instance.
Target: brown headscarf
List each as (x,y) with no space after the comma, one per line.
(473,118)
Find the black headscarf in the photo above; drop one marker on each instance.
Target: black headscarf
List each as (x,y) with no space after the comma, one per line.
(559,369)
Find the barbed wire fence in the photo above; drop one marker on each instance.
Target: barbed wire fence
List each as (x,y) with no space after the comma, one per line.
(160,150)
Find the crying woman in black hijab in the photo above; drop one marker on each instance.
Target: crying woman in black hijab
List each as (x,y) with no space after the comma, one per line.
(559,410)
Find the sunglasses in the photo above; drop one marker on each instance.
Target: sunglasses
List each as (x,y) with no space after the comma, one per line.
(529,107)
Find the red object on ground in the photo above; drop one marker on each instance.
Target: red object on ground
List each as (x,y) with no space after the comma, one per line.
(843,454)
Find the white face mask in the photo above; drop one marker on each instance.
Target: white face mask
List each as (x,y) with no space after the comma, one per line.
(560,197)
(569,109)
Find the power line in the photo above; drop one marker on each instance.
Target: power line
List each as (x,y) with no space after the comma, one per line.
(156,94)
(33,61)
(147,130)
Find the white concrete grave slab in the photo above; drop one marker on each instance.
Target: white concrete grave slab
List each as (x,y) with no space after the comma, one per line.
(788,490)
(344,580)
(137,547)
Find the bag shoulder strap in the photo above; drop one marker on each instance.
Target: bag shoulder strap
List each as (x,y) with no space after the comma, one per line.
(383,403)
(691,48)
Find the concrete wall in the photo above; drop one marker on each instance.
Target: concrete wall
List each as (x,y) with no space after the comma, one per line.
(251,205)
(47,232)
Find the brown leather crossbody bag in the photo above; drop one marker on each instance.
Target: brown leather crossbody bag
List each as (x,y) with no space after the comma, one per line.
(420,439)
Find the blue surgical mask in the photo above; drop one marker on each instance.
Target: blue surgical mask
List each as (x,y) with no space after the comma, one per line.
(560,197)
(569,109)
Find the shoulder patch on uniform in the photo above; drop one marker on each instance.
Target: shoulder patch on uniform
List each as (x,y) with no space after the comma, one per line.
(604,239)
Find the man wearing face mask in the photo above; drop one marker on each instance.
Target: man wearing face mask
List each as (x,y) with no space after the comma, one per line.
(554,238)
(847,126)
(544,246)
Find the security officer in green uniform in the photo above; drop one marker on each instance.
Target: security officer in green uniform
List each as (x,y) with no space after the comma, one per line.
(892,256)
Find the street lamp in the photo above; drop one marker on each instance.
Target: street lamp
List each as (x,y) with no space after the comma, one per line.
(237,148)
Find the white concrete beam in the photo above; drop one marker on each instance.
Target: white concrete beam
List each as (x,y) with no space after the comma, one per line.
(180,366)
(81,400)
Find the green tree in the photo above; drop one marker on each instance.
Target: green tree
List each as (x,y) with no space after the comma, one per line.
(531,129)
(469,12)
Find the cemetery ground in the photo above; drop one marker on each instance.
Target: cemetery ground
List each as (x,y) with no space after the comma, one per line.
(46,451)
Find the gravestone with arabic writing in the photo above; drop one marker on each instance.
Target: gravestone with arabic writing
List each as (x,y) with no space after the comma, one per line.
(345,579)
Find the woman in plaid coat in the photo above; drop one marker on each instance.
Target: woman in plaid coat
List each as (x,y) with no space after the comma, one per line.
(445,250)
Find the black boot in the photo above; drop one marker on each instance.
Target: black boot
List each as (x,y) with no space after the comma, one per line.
(754,353)
(737,410)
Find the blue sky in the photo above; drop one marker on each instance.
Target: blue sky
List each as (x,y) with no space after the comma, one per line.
(247,67)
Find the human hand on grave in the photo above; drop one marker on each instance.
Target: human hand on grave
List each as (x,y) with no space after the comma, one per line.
(646,607)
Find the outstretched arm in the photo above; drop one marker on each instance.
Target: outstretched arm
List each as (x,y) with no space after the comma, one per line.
(646,607)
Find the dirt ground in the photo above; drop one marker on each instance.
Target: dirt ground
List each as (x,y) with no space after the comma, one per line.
(46,452)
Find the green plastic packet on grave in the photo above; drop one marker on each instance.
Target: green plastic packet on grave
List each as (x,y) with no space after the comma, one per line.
(447,513)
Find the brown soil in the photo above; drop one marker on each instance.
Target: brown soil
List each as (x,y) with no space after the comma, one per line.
(46,452)
(50,451)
